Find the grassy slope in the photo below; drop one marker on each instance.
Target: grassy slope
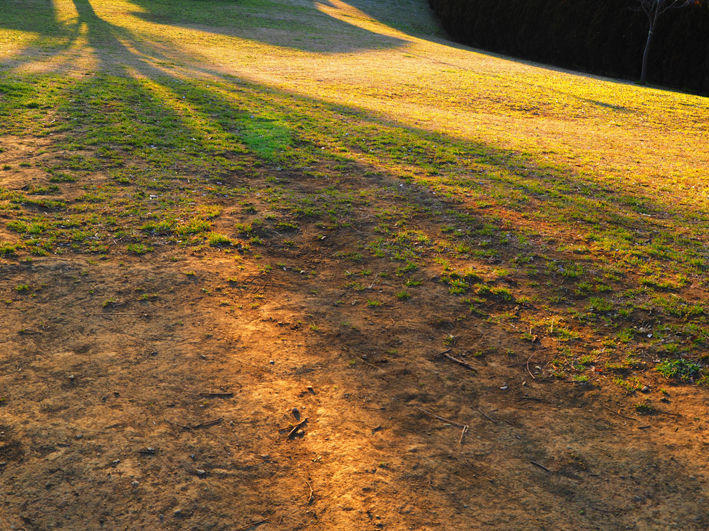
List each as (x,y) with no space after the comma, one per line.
(591,195)
(567,213)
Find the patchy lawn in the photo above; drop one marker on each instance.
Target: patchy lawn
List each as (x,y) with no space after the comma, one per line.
(283,264)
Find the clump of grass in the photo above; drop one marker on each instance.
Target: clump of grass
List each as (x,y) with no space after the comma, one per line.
(244,228)
(9,249)
(286,226)
(61,177)
(17,226)
(160,228)
(216,239)
(677,307)
(645,408)
(679,369)
(458,286)
(502,293)
(138,248)
(631,385)
(210,211)
(194,226)
(599,305)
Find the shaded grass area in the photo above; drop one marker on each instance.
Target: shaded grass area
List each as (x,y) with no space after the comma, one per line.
(134,165)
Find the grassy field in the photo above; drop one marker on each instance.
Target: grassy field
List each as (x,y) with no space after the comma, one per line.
(404,189)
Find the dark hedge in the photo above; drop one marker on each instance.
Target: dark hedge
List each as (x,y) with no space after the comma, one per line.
(600,36)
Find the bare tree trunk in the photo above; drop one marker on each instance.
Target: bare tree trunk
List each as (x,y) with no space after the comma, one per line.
(653,9)
(646,53)
(652,20)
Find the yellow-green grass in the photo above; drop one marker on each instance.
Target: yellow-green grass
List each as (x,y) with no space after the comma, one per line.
(580,201)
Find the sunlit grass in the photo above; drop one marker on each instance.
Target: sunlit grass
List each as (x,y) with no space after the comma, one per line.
(582,202)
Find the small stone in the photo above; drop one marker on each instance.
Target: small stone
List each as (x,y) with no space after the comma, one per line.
(135,483)
(271,362)
(147,451)
(645,389)
(179,513)
(115,462)
(201,473)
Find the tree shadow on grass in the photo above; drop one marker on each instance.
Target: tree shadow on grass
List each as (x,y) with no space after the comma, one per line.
(52,35)
(517,191)
(296,25)
(498,196)
(340,221)
(367,377)
(42,21)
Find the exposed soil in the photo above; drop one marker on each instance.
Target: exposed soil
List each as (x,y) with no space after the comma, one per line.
(165,392)
(278,381)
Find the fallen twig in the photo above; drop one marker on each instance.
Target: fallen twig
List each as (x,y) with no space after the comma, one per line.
(459,362)
(252,525)
(530,372)
(109,314)
(311,496)
(488,417)
(266,283)
(620,414)
(530,398)
(462,434)
(296,427)
(660,412)
(370,364)
(217,395)
(442,419)
(541,466)
(202,425)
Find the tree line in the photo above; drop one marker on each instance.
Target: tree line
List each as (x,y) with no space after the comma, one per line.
(605,37)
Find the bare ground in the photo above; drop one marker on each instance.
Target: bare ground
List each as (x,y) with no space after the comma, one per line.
(197,389)
(162,392)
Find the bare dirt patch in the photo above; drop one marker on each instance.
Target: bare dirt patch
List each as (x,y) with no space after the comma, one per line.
(199,391)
